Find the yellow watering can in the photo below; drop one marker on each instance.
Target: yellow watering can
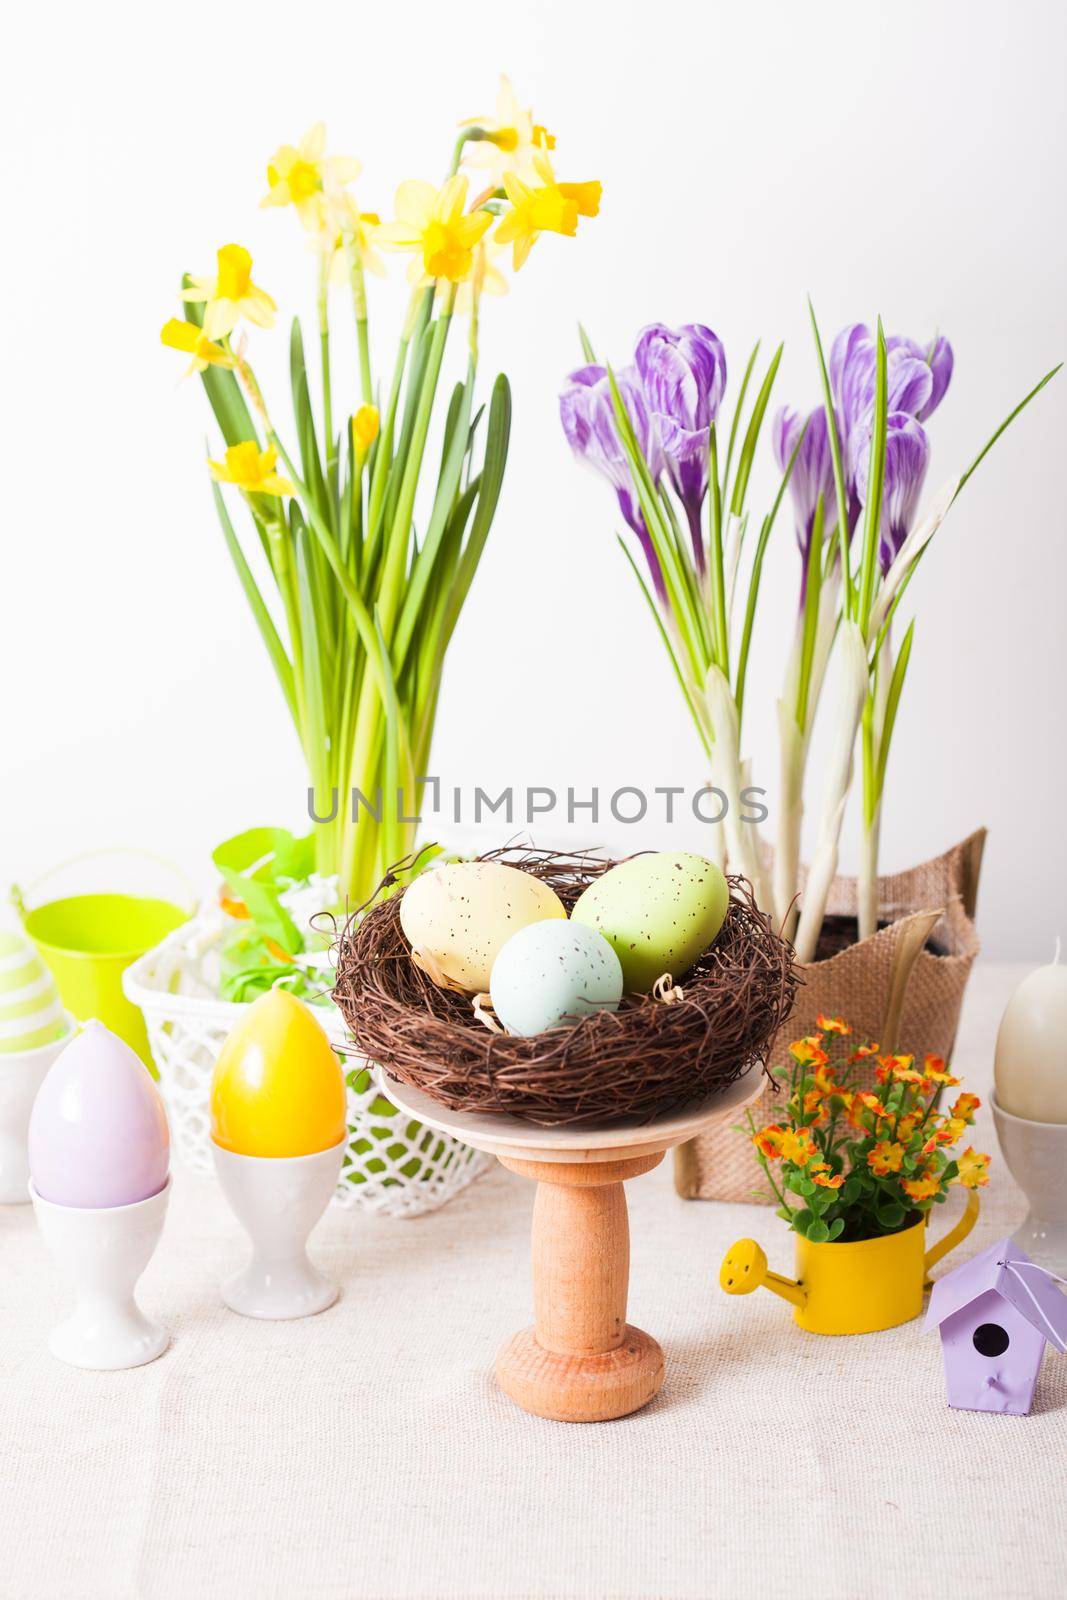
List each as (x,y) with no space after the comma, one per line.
(860,1287)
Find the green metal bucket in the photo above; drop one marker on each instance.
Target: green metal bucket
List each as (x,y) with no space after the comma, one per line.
(88,941)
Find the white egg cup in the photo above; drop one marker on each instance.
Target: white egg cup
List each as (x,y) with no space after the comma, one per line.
(21,1074)
(1036,1156)
(102,1252)
(278,1200)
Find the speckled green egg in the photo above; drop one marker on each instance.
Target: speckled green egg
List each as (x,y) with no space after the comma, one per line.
(658,912)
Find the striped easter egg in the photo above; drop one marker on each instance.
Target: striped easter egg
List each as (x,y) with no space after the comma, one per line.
(30,1012)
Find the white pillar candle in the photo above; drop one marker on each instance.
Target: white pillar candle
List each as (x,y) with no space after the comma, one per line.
(1031,1059)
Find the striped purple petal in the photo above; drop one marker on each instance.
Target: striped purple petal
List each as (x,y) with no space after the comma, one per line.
(906,459)
(588,417)
(812,475)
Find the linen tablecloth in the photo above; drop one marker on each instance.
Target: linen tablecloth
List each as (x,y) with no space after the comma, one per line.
(368,1453)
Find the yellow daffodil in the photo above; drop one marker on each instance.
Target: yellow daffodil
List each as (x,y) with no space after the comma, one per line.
(485,278)
(303,175)
(365,428)
(231,295)
(973,1169)
(186,336)
(514,139)
(344,223)
(432,223)
(251,469)
(543,207)
(885,1157)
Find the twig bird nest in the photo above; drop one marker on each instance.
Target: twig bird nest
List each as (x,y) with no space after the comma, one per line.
(650,1057)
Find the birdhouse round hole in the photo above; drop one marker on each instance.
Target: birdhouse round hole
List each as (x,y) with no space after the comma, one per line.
(990,1339)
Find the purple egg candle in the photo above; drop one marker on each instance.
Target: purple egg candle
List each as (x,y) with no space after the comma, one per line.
(98,1130)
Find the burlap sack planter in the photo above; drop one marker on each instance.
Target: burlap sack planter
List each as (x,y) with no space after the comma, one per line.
(903,987)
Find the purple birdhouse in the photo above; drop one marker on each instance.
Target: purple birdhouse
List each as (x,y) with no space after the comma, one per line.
(996,1313)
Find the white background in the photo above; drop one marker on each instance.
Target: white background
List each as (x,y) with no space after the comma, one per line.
(903,158)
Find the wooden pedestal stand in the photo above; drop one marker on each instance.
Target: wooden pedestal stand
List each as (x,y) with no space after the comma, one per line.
(581,1361)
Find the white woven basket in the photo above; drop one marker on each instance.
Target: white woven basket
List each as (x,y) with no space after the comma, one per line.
(393,1166)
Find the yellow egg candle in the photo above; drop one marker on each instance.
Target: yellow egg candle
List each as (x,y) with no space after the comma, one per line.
(278,1088)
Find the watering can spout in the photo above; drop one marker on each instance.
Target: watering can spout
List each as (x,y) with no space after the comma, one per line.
(744,1268)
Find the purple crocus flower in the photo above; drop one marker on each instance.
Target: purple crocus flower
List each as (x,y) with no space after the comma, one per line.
(916,384)
(812,475)
(588,418)
(939,358)
(907,454)
(853,361)
(683,372)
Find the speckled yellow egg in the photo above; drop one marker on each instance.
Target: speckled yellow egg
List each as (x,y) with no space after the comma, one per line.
(461,915)
(658,912)
(278,1088)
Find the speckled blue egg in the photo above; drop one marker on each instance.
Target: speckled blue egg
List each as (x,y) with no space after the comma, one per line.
(552,974)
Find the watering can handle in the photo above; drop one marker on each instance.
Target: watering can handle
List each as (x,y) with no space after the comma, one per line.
(18,895)
(954,1235)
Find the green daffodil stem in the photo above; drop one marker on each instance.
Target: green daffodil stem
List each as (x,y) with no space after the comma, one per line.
(327,391)
(354,256)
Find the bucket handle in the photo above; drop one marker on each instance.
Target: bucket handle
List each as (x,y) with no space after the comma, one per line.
(955,1235)
(18,895)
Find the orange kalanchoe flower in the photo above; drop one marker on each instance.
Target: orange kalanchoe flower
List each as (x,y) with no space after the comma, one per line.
(862,1051)
(808,1052)
(974,1169)
(814,1106)
(966,1106)
(824,1081)
(906,1127)
(797,1146)
(934,1069)
(921,1188)
(825,1179)
(833,1025)
(885,1157)
(949,1131)
(769,1141)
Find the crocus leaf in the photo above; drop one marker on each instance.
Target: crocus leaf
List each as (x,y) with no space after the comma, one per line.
(736,419)
(839,470)
(875,481)
(896,686)
(748,449)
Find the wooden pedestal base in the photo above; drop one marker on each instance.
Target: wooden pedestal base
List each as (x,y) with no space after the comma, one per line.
(581,1361)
